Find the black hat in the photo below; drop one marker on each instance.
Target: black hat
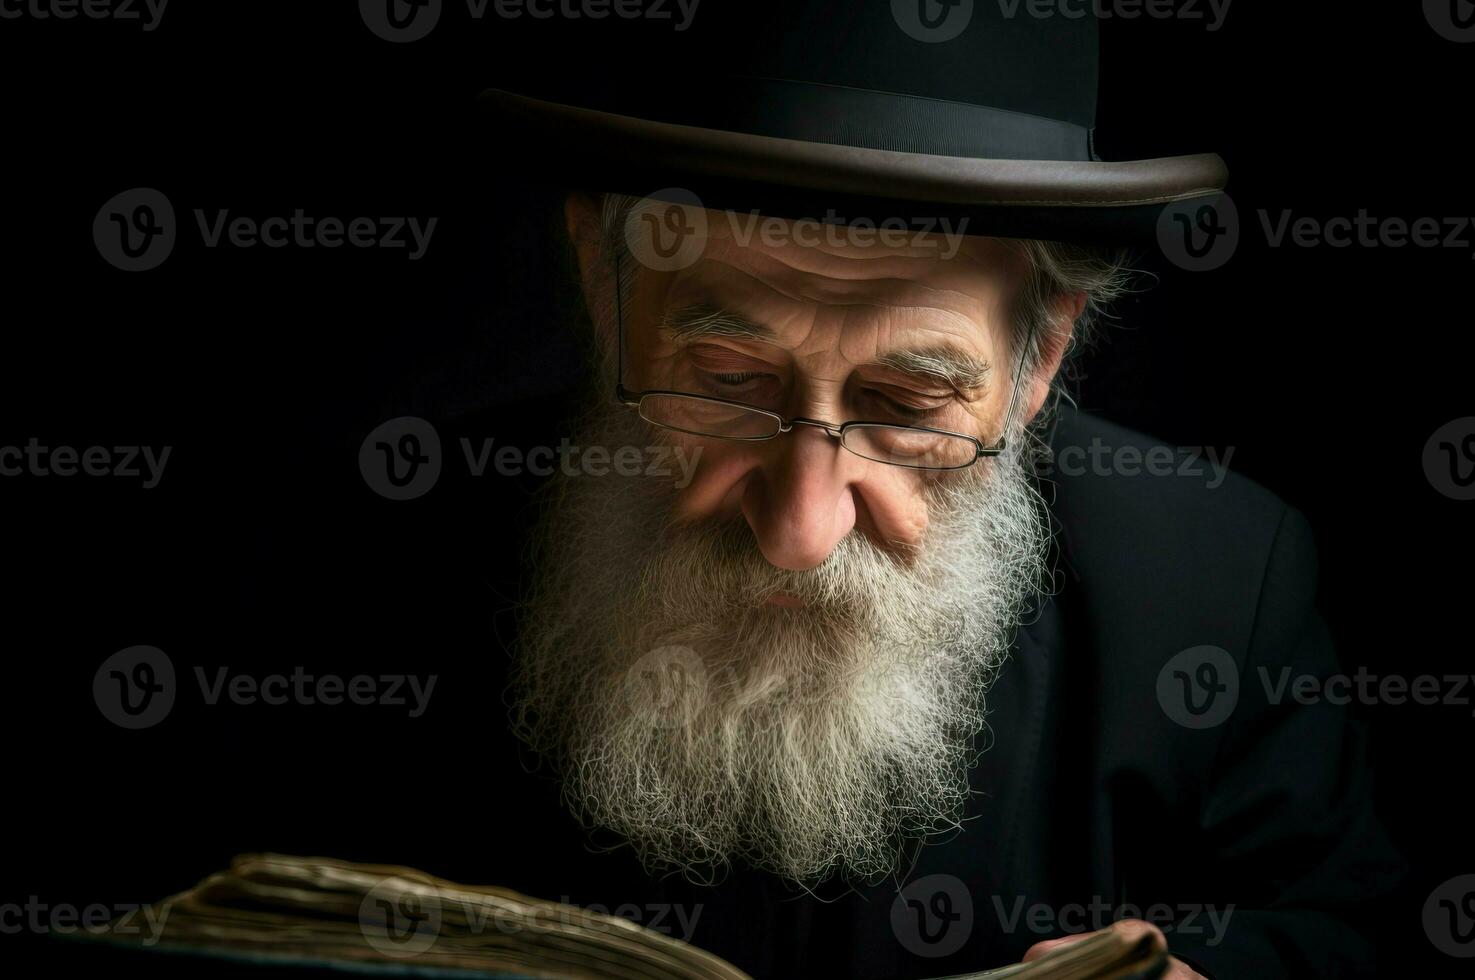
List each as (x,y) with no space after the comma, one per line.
(957,109)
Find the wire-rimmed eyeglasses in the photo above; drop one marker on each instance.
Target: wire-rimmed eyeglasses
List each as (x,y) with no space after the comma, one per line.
(914,446)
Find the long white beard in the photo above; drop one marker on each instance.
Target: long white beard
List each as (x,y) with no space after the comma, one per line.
(705,726)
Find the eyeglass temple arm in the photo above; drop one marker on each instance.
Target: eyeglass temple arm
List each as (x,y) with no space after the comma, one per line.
(999,446)
(619,334)
(622,394)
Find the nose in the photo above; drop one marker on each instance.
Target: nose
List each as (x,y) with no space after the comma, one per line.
(800,501)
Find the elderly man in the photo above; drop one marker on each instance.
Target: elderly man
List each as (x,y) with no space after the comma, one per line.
(880,690)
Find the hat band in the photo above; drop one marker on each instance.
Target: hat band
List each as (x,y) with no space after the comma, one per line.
(820,113)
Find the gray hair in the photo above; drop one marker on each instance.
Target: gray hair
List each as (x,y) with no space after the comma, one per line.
(1053,270)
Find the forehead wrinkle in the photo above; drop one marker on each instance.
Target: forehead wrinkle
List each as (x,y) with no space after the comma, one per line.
(825,291)
(848,319)
(803,282)
(983,264)
(846,262)
(906,327)
(946,360)
(716,279)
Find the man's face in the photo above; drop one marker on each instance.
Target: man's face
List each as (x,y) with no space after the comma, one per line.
(784,660)
(836,331)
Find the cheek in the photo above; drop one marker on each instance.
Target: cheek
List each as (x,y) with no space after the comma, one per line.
(717,478)
(893,509)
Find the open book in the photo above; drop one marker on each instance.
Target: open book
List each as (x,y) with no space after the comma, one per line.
(318,912)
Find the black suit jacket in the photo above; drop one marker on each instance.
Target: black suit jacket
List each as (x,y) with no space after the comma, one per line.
(1251,840)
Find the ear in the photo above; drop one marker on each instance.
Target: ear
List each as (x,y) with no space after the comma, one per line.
(1067,311)
(584,219)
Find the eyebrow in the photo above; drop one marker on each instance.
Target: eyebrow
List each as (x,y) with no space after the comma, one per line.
(695,322)
(947,363)
(954,367)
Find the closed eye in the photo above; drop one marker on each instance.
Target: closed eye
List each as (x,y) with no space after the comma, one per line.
(737,378)
(904,410)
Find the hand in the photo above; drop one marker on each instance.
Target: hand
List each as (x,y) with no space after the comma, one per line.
(1130,928)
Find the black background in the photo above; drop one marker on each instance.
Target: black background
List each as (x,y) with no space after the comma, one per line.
(1326,370)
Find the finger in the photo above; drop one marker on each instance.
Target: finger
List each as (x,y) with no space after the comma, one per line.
(1130,929)
(1135,929)
(1178,970)
(1041,948)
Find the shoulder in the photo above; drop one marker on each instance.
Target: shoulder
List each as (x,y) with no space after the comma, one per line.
(1166,542)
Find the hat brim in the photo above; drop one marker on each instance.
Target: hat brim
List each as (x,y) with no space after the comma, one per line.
(1089,201)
